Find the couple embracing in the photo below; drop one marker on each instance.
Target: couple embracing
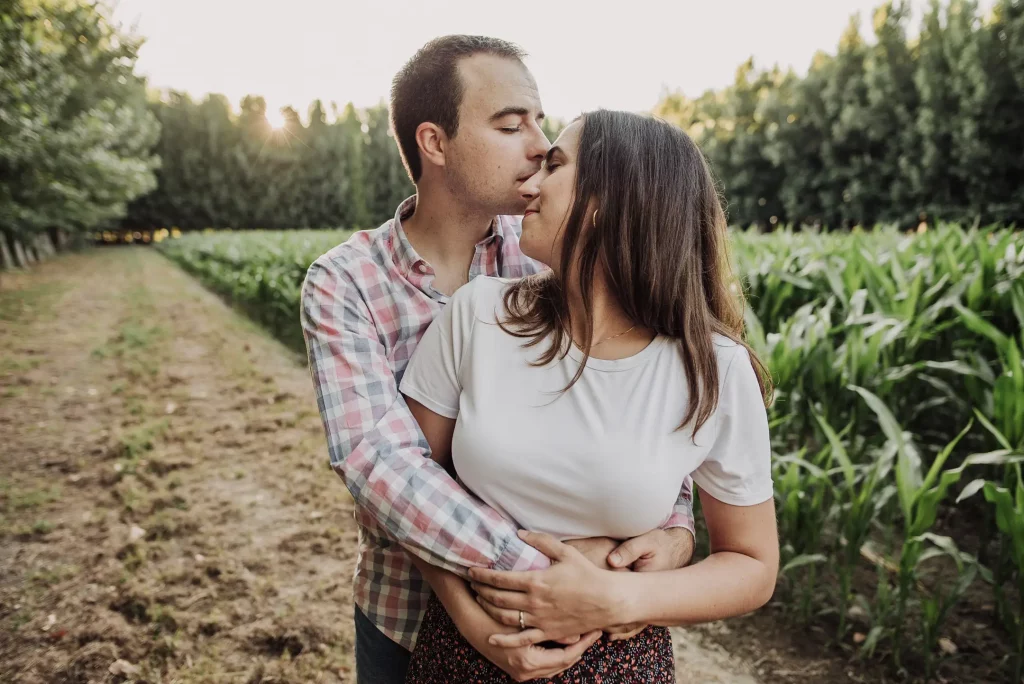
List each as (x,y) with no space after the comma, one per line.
(522,374)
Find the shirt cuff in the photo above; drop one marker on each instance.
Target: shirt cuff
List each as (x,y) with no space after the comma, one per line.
(678,519)
(518,555)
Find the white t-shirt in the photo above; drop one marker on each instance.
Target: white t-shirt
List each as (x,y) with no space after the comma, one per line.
(604,458)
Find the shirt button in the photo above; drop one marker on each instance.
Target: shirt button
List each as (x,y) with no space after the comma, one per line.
(421,267)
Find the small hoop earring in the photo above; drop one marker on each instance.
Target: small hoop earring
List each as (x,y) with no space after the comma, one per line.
(594,218)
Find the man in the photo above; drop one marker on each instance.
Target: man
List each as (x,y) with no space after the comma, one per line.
(466,115)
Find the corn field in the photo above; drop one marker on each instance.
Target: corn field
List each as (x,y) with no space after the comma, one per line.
(900,401)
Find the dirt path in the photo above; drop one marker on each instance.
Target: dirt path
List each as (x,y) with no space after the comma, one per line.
(167,513)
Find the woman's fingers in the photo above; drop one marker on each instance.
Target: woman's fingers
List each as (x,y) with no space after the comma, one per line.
(527,637)
(623,632)
(505,617)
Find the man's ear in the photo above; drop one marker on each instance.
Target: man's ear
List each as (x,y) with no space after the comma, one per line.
(431,140)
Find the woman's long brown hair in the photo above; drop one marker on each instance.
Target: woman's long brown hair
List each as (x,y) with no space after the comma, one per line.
(661,240)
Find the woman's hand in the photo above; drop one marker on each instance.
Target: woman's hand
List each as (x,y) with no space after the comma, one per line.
(597,550)
(571,597)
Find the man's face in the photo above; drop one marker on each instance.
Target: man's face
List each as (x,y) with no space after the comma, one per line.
(499,143)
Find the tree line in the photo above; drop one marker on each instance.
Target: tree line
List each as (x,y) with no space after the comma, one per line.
(906,126)
(894,130)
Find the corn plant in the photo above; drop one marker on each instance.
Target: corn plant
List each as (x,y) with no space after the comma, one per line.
(802,493)
(861,494)
(1008,505)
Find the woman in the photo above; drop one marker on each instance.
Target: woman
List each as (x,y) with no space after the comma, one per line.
(577,401)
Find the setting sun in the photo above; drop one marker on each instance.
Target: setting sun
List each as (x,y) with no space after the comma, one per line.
(276,119)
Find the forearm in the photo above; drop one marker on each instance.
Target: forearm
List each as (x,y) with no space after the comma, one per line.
(458,600)
(451,590)
(723,585)
(398,489)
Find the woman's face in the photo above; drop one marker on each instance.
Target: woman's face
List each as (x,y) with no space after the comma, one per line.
(549,195)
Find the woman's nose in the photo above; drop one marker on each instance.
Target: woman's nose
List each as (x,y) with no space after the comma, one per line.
(530,187)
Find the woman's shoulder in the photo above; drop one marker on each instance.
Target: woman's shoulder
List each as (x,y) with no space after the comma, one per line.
(729,353)
(483,296)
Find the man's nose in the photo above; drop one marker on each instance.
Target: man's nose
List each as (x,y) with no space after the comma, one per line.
(539,144)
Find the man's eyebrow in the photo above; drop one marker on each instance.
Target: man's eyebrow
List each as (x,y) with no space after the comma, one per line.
(551,153)
(513,111)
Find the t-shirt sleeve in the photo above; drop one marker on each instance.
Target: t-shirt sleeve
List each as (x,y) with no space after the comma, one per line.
(433,375)
(737,469)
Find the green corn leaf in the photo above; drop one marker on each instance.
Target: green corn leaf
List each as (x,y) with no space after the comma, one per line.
(802,560)
(940,459)
(979,325)
(972,488)
(994,430)
(838,451)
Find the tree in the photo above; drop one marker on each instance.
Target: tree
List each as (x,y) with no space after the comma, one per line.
(75,132)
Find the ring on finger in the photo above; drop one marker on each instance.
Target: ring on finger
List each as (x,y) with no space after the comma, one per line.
(522,620)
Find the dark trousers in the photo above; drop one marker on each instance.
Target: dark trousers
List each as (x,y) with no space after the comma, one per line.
(379,660)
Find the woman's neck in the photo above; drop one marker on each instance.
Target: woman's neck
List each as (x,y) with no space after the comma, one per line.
(614,335)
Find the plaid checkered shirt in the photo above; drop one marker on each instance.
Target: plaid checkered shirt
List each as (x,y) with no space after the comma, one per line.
(365,305)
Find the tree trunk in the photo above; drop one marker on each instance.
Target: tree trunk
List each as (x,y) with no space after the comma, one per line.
(57,239)
(6,258)
(44,246)
(20,257)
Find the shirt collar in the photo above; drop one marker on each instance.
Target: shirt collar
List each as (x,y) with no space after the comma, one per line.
(405,254)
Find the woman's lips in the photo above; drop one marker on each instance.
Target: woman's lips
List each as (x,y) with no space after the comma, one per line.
(528,212)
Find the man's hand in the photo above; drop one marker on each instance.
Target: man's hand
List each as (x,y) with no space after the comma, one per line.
(596,550)
(656,550)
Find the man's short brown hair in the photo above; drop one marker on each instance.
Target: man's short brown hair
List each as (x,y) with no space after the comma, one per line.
(428,88)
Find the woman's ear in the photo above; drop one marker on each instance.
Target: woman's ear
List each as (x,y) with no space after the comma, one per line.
(431,140)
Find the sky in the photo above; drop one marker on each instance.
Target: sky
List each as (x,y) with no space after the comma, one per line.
(620,54)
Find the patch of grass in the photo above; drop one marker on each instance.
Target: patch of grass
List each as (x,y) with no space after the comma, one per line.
(132,338)
(130,498)
(14,499)
(11,364)
(29,303)
(41,527)
(135,443)
(132,556)
(162,618)
(19,620)
(47,577)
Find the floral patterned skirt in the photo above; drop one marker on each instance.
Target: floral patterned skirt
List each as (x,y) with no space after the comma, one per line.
(443,656)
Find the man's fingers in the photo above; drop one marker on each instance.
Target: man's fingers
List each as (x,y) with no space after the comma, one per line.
(499,598)
(509,618)
(546,544)
(629,551)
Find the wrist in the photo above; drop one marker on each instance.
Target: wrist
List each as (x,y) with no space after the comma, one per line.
(685,542)
(623,605)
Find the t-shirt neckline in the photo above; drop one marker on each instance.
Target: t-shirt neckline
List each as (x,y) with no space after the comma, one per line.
(638,359)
